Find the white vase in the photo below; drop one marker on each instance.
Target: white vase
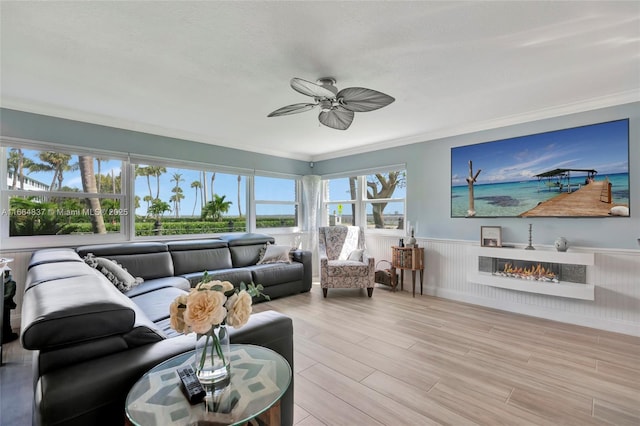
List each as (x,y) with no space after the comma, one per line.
(212,363)
(561,244)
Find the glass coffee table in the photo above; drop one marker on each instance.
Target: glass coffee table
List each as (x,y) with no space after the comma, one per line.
(259,378)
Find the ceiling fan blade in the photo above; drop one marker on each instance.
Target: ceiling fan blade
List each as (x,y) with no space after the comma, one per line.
(311,89)
(336,118)
(359,99)
(291,109)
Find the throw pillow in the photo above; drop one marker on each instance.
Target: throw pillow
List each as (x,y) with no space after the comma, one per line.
(356,255)
(275,254)
(114,272)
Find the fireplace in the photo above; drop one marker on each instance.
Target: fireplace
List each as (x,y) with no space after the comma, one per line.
(527,270)
(532,270)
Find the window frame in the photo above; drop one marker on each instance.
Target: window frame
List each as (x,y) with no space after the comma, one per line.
(361,202)
(37,241)
(296,204)
(127,196)
(191,165)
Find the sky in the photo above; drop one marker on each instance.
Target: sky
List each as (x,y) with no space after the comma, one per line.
(603,147)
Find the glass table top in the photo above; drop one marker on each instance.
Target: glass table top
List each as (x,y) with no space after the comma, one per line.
(259,378)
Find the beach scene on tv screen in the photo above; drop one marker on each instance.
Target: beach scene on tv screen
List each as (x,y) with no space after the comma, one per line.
(576,172)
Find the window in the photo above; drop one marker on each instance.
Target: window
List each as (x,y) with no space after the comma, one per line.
(276,202)
(374,201)
(341,196)
(386,193)
(181,201)
(53,193)
(61,193)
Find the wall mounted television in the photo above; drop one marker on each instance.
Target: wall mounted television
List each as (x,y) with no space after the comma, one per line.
(577,172)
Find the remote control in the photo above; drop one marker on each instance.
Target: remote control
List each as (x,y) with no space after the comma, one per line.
(192,387)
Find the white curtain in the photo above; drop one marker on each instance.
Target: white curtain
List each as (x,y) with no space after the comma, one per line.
(311,202)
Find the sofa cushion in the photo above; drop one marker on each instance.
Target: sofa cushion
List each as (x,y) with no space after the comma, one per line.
(66,311)
(276,273)
(155,304)
(245,248)
(53,256)
(205,259)
(250,239)
(43,272)
(158,283)
(145,260)
(235,275)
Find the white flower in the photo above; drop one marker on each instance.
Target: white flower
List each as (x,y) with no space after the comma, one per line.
(239,309)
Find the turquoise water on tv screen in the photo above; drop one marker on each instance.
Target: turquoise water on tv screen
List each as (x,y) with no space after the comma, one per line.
(515,198)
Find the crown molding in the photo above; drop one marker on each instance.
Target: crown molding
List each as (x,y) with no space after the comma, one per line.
(109,121)
(541,114)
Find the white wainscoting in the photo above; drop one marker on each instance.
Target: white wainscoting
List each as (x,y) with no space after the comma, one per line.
(616,274)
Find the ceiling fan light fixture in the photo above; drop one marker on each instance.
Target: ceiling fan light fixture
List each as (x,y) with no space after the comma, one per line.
(326,105)
(337,108)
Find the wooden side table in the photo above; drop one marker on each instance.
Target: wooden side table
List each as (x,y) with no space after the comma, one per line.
(407,258)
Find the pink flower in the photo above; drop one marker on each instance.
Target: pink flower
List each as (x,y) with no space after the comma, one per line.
(205,308)
(239,308)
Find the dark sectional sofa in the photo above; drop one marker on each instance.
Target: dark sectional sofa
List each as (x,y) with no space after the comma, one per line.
(93,342)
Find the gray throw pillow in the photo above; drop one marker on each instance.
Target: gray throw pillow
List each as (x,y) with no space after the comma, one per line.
(114,272)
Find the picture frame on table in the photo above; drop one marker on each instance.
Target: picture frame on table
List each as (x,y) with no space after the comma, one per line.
(491,236)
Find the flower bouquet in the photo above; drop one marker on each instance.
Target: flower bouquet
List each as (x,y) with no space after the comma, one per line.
(207,310)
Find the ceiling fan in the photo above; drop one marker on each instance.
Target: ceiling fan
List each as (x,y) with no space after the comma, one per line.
(337,108)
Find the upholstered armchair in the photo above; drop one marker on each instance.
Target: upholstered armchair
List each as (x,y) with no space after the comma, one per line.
(343,260)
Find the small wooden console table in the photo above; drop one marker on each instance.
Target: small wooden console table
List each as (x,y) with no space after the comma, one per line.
(407,258)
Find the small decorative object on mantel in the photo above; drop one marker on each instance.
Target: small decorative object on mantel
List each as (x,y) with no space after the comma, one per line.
(411,242)
(561,244)
(530,247)
(207,310)
(491,236)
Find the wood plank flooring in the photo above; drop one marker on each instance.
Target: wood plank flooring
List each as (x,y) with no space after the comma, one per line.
(397,360)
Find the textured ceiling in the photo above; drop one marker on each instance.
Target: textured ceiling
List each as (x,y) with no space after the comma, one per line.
(212,71)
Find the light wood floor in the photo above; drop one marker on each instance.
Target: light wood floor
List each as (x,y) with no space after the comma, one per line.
(395,360)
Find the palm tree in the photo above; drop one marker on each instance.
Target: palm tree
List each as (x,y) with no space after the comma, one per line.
(216,208)
(239,207)
(89,185)
(213,178)
(157,172)
(178,195)
(204,197)
(197,185)
(176,198)
(99,161)
(58,163)
(148,199)
(144,171)
(16,163)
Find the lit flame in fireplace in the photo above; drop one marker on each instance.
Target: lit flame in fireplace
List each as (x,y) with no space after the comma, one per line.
(537,272)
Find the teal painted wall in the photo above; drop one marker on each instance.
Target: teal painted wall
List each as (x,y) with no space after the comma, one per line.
(429,181)
(43,128)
